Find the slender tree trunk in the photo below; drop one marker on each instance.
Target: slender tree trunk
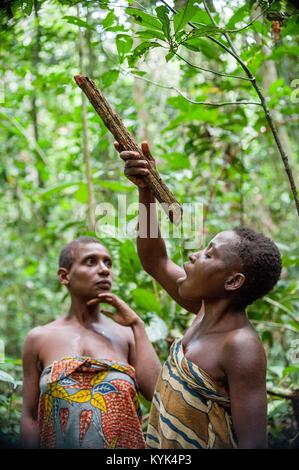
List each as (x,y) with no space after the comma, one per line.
(34,109)
(138,95)
(143,117)
(270,76)
(91,58)
(86,152)
(41,212)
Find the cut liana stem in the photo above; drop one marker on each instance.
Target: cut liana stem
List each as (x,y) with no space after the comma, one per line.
(117,128)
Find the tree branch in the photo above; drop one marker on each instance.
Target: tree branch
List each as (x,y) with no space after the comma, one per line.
(292,395)
(249,24)
(281,393)
(211,71)
(268,116)
(263,103)
(208,103)
(273,324)
(86,152)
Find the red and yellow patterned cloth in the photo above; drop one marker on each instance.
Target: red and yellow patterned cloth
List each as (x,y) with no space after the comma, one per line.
(89,403)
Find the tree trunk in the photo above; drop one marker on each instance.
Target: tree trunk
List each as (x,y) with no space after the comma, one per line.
(88,35)
(270,76)
(34,109)
(86,153)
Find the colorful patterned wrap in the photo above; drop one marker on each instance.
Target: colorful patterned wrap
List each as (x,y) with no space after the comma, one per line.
(187,410)
(89,403)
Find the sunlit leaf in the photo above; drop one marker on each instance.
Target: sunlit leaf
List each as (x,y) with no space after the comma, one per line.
(203,31)
(202,45)
(140,50)
(146,300)
(124,44)
(237,16)
(129,261)
(182,17)
(78,22)
(157,329)
(5,377)
(109,77)
(150,34)
(109,20)
(143,18)
(162,14)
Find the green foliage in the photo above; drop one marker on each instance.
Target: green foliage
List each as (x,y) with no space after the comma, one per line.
(239,15)
(124,44)
(224,157)
(162,14)
(182,17)
(144,19)
(78,22)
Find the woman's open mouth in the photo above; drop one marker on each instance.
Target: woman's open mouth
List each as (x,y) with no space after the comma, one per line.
(183,278)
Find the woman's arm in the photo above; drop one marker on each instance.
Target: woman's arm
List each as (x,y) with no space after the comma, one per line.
(244,363)
(142,355)
(31,391)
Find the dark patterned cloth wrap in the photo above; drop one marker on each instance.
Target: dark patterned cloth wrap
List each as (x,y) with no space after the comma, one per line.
(188,412)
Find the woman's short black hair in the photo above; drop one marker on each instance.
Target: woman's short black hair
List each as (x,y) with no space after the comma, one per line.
(66,255)
(261,264)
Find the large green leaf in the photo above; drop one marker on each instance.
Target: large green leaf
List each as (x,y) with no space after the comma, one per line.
(204,31)
(143,18)
(282,51)
(291,27)
(237,16)
(124,44)
(109,20)
(182,17)
(140,50)
(78,22)
(176,161)
(201,16)
(162,13)
(204,46)
(109,77)
(129,261)
(180,103)
(5,377)
(146,300)
(190,112)
(151,34)
(81,194)
(157,329)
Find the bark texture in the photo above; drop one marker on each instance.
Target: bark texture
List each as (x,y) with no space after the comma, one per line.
(115,125)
